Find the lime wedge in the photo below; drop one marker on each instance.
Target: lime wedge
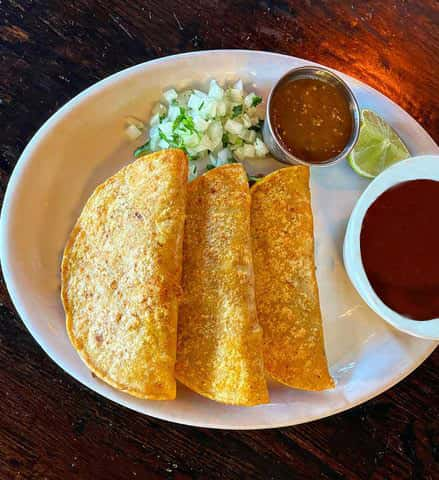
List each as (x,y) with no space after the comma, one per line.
(378,146)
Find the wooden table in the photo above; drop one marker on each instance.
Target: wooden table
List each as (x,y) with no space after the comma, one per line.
(53,428)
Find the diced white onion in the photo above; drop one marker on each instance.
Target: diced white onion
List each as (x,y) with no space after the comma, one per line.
(239,153)
(163,144)
(183,97)
(214,128)
(246,120)
(223,157)
(221,108)
(208,110)
(133,132)
(160,109)
(235,95)
(154,144)
(173,112)
(154,132)
(233,126)
(200,124)
(155,120)
(239,85)
(260,149)
(191,140)
(170,95)
(195,101)
(215,132)
(215,91)
(166,128)
(248,100)
(136,122)
(251,138)
(200,93)
(249,151)
(205,144)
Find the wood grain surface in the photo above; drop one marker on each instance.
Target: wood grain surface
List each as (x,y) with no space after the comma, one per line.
(53,428)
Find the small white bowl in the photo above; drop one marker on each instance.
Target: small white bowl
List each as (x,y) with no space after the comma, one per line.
(422,167)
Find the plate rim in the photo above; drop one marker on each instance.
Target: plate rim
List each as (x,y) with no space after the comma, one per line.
(7,208)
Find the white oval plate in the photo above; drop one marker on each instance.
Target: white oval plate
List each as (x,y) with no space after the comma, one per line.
(84,143)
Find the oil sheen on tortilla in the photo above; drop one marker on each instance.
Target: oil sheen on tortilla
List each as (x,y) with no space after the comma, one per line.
(287,295)
(121,276)
(219,351)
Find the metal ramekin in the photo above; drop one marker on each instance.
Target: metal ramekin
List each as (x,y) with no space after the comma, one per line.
(274,144)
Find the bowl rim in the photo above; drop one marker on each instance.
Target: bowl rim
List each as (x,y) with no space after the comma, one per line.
(414,168)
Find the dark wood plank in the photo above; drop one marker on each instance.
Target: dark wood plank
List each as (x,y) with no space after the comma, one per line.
(53,428)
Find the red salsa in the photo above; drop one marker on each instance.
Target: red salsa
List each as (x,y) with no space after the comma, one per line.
(400,248)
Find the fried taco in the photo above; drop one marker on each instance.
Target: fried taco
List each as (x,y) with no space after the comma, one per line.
(121,274)
(219,351)
(287,296)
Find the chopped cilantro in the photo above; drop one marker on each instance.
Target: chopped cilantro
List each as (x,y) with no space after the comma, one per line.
(256,101)
(225,139)
(253,179)
(142,150)
(164,137)
(236,110)
(258,127)
(177,122)
(188,123)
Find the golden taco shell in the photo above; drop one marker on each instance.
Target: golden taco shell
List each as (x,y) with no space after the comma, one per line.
(287,296)
(219,349)
(121,275)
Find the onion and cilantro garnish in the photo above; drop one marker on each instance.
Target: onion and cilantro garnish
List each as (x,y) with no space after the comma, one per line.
(214,128)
